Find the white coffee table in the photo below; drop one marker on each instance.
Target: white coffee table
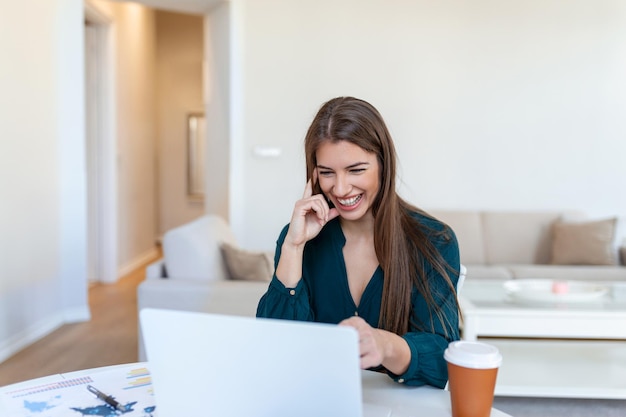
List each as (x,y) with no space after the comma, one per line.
(560,350)
(488,311)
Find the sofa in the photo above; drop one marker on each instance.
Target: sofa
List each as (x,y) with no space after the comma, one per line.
(558,245)
(204,270)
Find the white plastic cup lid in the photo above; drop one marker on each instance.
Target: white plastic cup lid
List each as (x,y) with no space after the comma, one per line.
(476,355)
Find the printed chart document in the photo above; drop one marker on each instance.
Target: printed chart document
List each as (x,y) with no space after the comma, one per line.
(66,395)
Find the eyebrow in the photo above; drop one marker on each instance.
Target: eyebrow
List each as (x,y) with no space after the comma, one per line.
(348,167)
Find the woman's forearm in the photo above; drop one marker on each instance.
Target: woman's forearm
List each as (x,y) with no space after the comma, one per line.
(289,268)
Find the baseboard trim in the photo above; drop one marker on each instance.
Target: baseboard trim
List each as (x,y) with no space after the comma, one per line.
(138,262)
(30,335)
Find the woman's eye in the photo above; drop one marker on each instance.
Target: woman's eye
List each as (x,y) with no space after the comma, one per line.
(325,173)
(357,170)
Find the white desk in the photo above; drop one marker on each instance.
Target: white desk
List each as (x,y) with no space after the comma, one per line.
(381,394)
(55,395)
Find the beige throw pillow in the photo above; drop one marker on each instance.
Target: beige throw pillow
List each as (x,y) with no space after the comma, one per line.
(584,243)
(246,265)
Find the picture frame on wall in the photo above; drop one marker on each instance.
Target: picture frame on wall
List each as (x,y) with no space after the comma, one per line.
(196,149)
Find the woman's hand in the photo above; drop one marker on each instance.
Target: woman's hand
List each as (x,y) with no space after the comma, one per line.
(310,215)
(370,342)
(380,347)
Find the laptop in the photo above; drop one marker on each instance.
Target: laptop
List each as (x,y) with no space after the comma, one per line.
(229,366)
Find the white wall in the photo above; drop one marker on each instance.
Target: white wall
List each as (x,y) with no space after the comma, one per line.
(136,130)
(514,105)
(42,163)
(217,91)
(136,133)
(43,233)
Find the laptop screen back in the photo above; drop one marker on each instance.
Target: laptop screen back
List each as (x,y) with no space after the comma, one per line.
(215,365)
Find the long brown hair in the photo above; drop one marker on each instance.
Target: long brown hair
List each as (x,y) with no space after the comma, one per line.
(402,244)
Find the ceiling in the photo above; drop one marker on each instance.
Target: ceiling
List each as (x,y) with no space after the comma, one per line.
(183,6)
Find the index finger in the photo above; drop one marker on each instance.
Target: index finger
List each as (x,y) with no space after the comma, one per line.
(308,190)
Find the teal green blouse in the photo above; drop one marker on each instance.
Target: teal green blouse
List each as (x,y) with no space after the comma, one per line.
(322,295)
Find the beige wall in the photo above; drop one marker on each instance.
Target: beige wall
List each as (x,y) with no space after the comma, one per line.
(179,55)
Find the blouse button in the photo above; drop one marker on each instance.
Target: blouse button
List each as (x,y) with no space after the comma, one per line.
(401,380)
(292,292)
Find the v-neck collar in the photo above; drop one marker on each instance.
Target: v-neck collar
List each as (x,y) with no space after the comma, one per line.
(340,242)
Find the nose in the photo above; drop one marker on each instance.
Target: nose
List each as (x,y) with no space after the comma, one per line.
(342,186)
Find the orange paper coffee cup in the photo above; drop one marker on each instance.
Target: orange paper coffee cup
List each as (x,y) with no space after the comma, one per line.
(472,372)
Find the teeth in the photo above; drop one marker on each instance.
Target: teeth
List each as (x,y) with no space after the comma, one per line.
(351,201)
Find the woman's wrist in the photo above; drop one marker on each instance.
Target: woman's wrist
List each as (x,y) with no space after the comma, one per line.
(292,248)
(396,353)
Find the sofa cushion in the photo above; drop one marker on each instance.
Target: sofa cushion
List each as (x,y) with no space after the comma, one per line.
(192,251)
(468,230)
(246,265)
(584,243)
(519,237)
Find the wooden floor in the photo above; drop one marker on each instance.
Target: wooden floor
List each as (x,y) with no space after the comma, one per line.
(109,338)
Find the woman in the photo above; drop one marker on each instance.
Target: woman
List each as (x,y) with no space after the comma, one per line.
(357,254)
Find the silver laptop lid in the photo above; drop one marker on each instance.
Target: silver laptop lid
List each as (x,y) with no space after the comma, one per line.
(215,365)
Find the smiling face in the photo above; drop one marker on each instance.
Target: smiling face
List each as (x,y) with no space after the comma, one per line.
(349,177)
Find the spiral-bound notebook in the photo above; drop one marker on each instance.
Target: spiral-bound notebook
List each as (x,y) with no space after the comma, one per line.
(227,366)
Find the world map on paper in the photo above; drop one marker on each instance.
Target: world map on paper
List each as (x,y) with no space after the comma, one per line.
(99,410)
(70,397)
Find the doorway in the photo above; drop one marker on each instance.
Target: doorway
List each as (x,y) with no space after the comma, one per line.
(100,146)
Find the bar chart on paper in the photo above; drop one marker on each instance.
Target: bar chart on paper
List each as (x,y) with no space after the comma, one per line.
(67,394)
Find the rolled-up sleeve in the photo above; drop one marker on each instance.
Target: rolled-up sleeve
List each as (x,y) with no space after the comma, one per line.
(427,365)
(280,302)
